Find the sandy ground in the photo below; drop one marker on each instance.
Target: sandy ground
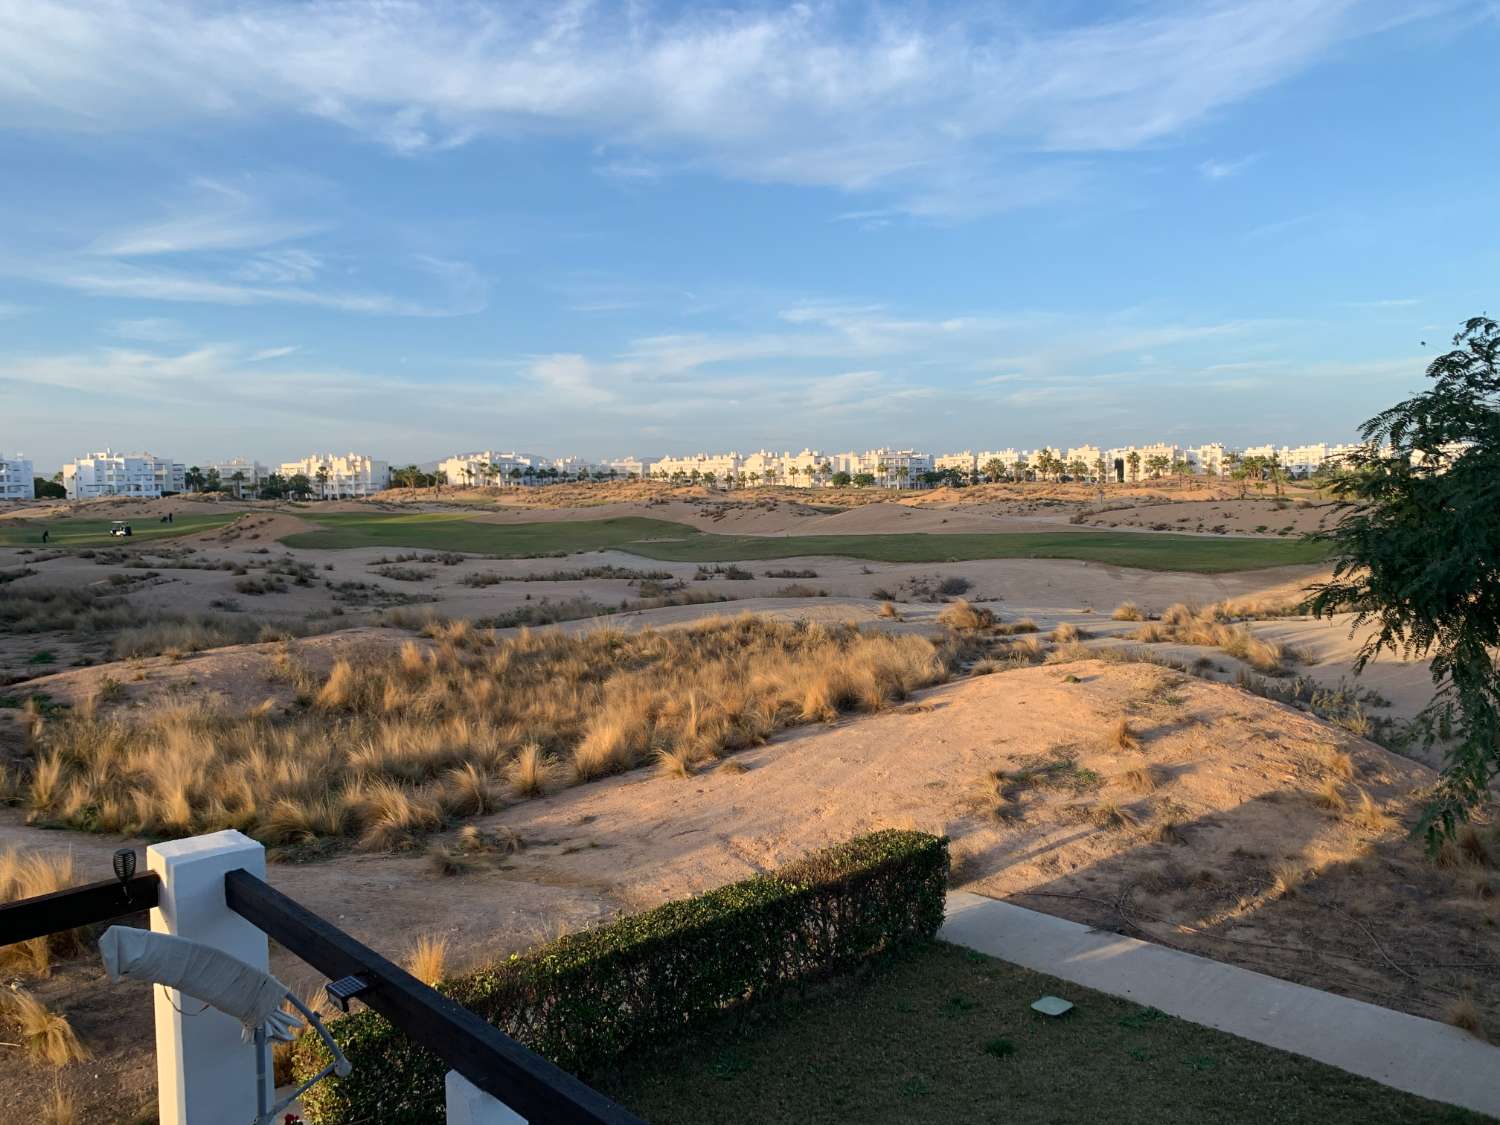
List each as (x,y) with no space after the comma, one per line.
(1234,774)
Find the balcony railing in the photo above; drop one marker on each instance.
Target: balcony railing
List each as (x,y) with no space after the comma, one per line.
(211,889)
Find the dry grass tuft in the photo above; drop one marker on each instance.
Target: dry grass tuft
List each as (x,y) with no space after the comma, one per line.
(888,609)
(1127,611)
(1336,761)
(1122,738)
(1112,817)
(1286,877)
(59,1108)
(734,767)
(675,760)
(1368,814)
(1215,626)
(46,1036)
(1329,796)
(1472,846)
(1464,1013)
(1068,634)
(963,617)
(1165,831)
(1142,779)
(428,959)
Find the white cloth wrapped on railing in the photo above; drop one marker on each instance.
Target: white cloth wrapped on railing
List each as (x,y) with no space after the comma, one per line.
(248,994)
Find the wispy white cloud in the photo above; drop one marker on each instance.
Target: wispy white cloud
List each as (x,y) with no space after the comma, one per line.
(152,329)
(265,354)
(216,216)
(1383,303)
(452,288)
(1223,169)
(949,112)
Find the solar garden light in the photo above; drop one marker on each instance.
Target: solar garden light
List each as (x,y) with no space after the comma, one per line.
(220,981)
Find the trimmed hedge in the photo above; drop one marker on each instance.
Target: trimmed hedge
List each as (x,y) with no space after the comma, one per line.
(589,999)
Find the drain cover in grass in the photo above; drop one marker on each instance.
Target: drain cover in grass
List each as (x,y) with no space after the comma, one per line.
(1052,1006)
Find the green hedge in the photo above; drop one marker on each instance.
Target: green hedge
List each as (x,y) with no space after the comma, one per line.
(587,1000)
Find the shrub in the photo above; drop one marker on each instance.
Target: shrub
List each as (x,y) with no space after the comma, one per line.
(1126,611)
(959,615)
(590,1000)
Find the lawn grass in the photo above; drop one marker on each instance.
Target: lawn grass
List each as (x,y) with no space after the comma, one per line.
(95,533)
(944,1034)
(665,540)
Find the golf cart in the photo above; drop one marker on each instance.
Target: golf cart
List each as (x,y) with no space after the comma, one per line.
(120,527)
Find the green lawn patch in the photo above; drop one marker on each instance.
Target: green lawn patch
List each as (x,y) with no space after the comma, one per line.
(662,539)
(95,533)
(945,1034)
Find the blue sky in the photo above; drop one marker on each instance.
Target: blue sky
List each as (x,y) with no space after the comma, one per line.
(258,229)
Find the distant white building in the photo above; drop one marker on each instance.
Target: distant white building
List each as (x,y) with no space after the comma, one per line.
(107,473)
(966,462)
(724,467)
(1207,459)
(477,470)
(341,476)
(891,468)
(250,474)
(16,479)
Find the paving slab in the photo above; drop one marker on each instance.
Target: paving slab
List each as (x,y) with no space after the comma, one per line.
(1423,1057)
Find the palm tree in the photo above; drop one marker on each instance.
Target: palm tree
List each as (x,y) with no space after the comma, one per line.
(1157,464)
(795,473)
(903,474)
(322,477)
(994,469)
(1276,471)
(754,479)
(883,470)
(194,478)
(237,478)
(1133,459)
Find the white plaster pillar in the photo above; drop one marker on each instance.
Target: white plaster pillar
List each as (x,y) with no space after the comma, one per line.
(205,1073)
(469,1105)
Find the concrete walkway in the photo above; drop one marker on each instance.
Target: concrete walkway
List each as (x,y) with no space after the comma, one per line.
(1419,1056)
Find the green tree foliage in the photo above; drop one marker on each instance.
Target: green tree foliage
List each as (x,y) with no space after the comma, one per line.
(45,489)
(1418,556)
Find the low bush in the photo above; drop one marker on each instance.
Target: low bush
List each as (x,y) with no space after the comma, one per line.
(590,1000)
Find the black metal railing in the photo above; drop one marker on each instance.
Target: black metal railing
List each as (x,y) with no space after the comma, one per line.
(77,906)
(481,1052)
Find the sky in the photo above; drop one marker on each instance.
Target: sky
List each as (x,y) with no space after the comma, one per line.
(263,229)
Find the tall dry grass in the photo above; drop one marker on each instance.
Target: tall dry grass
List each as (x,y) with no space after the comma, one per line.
(27,874)
(383,750)
(1215,626)
(46,1036)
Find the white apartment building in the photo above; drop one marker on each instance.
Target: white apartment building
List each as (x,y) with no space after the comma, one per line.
(16,478)
(341,476)
(627,467)
(251,473)
(891,468)
(107,473)
(966,462)
(724,466)
(1009,459)
(1207,459)
(1088,454)
(486,468)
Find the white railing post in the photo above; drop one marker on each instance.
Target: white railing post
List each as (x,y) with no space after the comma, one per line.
(469,1105)
(205,1071)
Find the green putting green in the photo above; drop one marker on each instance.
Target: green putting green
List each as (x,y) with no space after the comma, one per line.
(95,533)
(676,542)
